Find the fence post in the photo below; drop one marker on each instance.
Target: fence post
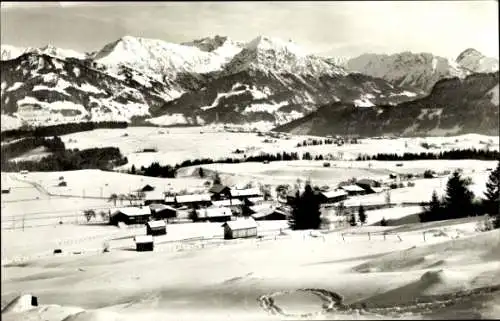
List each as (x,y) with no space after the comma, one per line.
(423,233)
(343,239)
(369,236)
(384,235)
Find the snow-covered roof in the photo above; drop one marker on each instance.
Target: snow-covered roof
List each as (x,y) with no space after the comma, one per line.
(154,224)
(143,239)
(378,189)
(133,211)
(241,224)
(333,194)
(256,199)
(214,212)
(154,195)
(245,192)
(193,198)
(352,188)
(227,203)
(267,212)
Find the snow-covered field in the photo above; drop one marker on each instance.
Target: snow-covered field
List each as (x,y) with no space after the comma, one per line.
(453,273)
(175,145)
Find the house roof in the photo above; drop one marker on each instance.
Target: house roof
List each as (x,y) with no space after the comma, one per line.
(245,192)
(352,188)
(154,195)
(366,181)
(193,198)
(139,239)
(156,224)
(227,203)
(133,211)
(333,194)
(241,224)
(218,188)
(214,212)
(160,207)
(147,187)
(268,212)
(256,199)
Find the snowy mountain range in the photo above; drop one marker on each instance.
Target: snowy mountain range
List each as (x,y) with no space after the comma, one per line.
(453,107)
(421,70)
(215,79)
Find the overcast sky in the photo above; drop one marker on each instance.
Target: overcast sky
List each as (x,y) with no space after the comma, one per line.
(335,28)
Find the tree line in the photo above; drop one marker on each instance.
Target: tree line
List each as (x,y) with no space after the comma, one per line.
(59,130)
(157,170)
(458,201)
(480,154)
(17,148)
(65,160)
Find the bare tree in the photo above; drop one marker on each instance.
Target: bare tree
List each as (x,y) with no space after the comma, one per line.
(89,214)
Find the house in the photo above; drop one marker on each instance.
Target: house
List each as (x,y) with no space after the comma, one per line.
(147,188)
(154,197)
(155,228)
(331,197)
(245,193)
(131,215)
(193,200)
(235,205)
(214,214)
(144,243)
(353,190)
(269,214)
(220,192)
(162,211)
(240,228)
(368,184)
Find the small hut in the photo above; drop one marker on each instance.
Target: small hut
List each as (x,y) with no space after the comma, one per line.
(144,243)
(155,228)
(240,228)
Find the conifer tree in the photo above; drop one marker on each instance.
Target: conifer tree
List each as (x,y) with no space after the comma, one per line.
(362,214)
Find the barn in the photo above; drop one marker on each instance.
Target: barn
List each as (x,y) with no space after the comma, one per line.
(332,197)
(131,215)
(155,228)
(144,243)
(220,192)
(240,229)
(214,214)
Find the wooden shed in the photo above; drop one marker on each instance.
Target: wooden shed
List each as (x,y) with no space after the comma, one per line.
(353,189)
(154,197)
(245,193)
(214,214)
(240,229)
(144,243)
(155,228)
(193,200)
(162,211)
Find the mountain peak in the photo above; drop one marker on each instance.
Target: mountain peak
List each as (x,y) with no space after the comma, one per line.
(467,53)
(266,43)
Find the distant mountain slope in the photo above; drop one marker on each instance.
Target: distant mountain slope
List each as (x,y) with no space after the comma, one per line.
(9,52)
(45,90)
(455,106)
(274,82)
